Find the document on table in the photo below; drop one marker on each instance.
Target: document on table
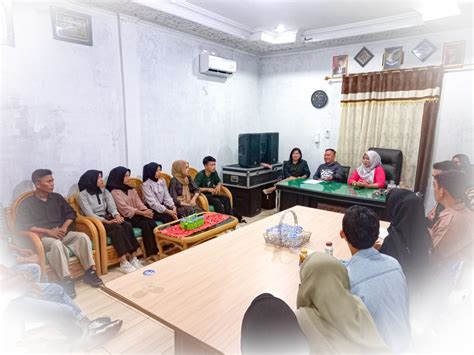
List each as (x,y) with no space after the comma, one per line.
(313,182)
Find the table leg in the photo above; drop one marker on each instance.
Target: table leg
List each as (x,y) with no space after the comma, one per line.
(186,344)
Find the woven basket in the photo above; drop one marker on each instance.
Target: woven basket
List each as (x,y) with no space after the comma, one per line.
(285,235)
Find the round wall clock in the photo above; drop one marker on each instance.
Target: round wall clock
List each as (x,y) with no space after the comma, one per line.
(319,99)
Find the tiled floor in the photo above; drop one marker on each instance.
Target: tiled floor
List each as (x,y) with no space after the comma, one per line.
(139,334)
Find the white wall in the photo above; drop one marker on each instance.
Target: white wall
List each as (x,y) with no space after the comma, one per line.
(62,105)
(287,82)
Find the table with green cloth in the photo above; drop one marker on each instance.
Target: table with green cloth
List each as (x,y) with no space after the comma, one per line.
(328,194)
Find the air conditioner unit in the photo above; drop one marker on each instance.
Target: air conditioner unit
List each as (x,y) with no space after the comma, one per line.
(216,66)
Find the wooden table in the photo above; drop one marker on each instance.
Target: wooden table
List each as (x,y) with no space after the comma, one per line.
(203,292)
(300,192)
(195,239)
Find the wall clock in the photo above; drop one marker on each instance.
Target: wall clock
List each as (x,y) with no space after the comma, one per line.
(319,99)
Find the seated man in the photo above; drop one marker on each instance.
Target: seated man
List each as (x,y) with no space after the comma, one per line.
(19,259)
(25,301)
(452,232)
(377,278)
(331,170)
(208,182)
(50,216)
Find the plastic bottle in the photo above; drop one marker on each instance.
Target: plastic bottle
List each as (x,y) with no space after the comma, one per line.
(328,249)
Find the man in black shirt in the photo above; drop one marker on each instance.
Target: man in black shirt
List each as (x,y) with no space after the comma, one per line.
(47,214)
(331,170)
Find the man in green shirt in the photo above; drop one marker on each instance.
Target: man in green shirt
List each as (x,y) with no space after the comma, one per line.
(210,185)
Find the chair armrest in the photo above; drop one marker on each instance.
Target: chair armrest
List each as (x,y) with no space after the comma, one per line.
(203,202)
(85,225)
(102,246)
(226,192)
(34,242)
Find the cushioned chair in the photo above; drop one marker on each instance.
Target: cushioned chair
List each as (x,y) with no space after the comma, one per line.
(32,241)
(347,170)
(392,162)
(108,255)
(224,191)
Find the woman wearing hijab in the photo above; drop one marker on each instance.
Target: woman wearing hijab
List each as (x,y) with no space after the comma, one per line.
(270,327)
(183,190)
(370,174)
(408,239)
(464,163)
(156,194)
(332,318)
(132,208)
(95,201)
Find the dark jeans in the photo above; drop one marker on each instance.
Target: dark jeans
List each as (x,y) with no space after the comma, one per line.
(122,238)
(185,211)
(221,203)
(147,225)
(162,217)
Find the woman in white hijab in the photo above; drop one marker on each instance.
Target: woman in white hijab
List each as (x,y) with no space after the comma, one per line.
(332,318)
(370,174)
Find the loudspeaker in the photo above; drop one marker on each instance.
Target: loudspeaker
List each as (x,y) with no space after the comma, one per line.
(271,156)
(249,150)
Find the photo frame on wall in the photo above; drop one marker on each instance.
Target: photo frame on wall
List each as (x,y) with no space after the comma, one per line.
(393,58)
(71,26)
(424,50)
(339,65)
(453,54)
(363,57)
(7,35)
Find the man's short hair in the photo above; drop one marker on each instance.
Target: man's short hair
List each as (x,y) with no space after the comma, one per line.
(445,165)
(208,159)
(361,226)
(330,150)
(454,181)
(40,173)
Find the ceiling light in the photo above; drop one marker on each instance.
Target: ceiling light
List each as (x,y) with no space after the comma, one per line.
(280,28)
(436,9)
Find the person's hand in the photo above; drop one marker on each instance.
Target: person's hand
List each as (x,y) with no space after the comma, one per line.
(63,231)
(55,233)
(213,191)
(172,213)
(25,252)
(30,259)
(119,219)
(431,214)
(218,189)
(328,178)
(193,202)
(148,213)
(292,178)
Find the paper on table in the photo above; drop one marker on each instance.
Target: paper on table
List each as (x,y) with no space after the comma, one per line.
(313,182)
(383,233)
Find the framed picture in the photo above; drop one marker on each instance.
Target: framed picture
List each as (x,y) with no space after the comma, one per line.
(7,36)
(393,58)
(339,65)
(71,26)
(453,53)
(423,50)
(363,57)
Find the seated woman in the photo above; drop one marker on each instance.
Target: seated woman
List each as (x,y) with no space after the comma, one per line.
(183,190)
(132,208)
(370,174)
(96,201)
(332,318)
(156,194)
(296,167)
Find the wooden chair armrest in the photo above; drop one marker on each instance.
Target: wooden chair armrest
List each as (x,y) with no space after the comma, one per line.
(34,242)
(102,243)
(203,202)
(85,225)
(226,192)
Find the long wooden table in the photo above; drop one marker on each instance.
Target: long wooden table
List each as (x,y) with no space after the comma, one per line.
(202,293)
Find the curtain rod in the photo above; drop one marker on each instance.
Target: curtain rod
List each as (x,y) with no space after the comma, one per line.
(447,69)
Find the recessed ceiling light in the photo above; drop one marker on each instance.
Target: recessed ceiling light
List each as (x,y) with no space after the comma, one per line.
(280,28)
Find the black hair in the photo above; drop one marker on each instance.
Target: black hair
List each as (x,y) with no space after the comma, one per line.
(361,226)
(445,165)
(40,173)
(464,159)
(454,182)
(295,150)
(330,150)
(208,159)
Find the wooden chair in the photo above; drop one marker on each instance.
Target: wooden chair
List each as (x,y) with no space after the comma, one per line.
(31,240)
(224,191)
(108,255)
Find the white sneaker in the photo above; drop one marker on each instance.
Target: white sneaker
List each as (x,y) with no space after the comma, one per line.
(127,268)
(136,263)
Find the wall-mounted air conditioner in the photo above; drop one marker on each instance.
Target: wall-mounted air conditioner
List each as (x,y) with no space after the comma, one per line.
(212,65)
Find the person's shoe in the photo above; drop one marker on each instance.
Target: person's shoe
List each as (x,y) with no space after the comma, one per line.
(127,268)
(136,263)
(91,278)
(68,285)
(99,334)
(99,323)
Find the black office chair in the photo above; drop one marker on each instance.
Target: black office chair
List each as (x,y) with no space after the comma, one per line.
(392,162)
(346,169)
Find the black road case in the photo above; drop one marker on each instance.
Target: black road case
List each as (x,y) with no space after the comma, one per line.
(248,178)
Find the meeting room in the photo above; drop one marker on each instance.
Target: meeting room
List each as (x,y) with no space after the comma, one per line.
(236,176)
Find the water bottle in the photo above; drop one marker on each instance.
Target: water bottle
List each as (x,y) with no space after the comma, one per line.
(328,249)
(391,185)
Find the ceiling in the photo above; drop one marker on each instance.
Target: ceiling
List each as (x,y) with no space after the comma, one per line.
(320,23)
